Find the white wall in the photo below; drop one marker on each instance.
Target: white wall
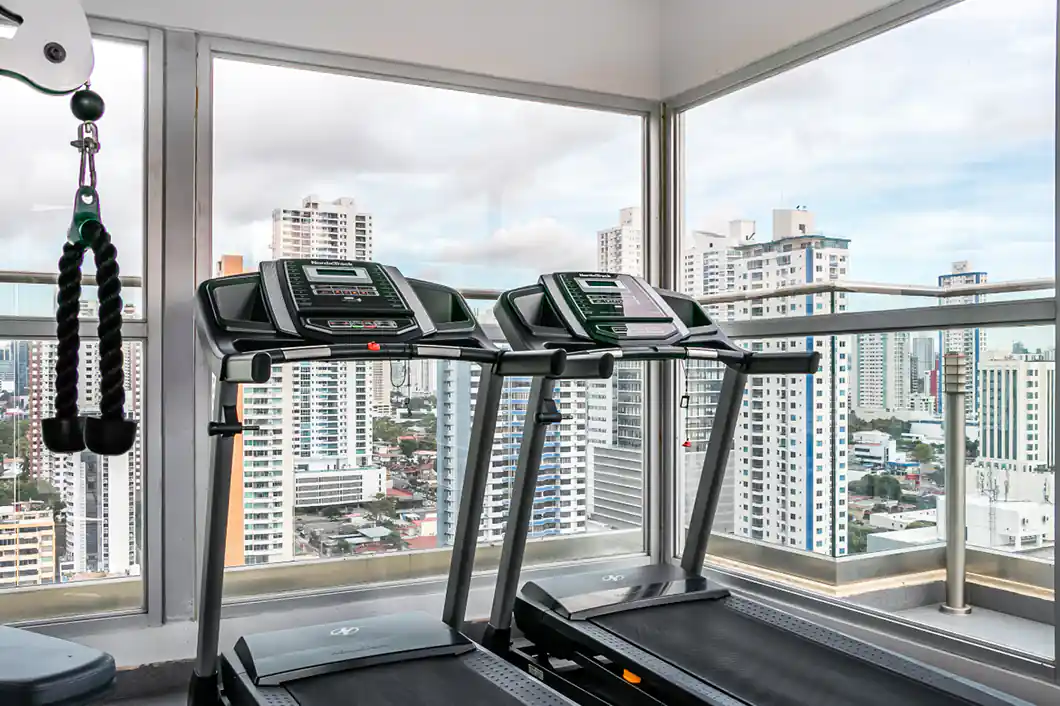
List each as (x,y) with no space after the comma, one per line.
(706,39)
(602,45)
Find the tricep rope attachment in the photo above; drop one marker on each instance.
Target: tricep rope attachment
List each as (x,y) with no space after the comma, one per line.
(109,434)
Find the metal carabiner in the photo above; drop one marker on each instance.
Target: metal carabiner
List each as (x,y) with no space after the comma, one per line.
(86,201)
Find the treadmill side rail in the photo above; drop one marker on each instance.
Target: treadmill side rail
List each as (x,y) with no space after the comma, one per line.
(272,658)
(585,596)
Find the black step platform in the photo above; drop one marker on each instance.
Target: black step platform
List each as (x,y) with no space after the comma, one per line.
(38,670)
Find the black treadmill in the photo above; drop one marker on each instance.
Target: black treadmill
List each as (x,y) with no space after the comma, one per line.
(663,634)
(328,310)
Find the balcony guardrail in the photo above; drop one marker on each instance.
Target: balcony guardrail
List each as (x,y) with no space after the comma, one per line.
(88,280)
(847,287)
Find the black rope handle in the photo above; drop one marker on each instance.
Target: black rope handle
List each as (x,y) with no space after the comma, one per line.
(109,434)
(65,432)
(111,356)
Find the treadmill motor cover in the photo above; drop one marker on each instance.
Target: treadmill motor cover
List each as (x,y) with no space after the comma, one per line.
(38,670)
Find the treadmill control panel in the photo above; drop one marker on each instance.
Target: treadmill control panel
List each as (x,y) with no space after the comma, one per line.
(613,308)
(340,299)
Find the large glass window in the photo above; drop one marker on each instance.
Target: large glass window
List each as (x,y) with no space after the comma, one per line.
(360,459)
(920,161)
(67,518)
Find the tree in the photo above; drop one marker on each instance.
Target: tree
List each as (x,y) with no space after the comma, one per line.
(386,430)
(343,547)
(408,446)
(923,453)
(858,538)
(14,441)
(971,448)
(919,523)
(888,487)
(332,513)
(382,507)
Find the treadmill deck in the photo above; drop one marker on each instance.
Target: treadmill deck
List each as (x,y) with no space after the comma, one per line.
(727,645)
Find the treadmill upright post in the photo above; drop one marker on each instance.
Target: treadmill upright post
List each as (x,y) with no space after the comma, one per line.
(472,497)
(213,560)
(540,413)
(713,473)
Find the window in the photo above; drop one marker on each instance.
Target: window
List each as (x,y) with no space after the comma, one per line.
(67,518)
(464,189)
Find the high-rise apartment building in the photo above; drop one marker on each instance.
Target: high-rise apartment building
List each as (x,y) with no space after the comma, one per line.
(922,362)
(790,447)
(621,248)
(313,418)
(970,341)
(616,406)
(884,379)
(27,545)
(560,502)
(101,493)
(1017,407)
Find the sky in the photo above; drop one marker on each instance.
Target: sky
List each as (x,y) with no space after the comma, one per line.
(927,144)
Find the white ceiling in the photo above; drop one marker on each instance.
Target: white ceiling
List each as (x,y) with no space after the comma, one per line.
(629,47)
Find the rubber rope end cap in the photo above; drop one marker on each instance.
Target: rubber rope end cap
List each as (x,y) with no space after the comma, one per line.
(109,437)
(63,435)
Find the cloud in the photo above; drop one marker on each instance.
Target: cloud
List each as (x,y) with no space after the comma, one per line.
(543,246)
(930,143)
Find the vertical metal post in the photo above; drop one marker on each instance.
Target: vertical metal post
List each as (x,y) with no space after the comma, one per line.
(540,412)
(208,608)
(472,497)
(712,477)
(954,379)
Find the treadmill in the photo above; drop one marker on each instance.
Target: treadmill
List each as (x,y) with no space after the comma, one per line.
(298,311)
(664,634)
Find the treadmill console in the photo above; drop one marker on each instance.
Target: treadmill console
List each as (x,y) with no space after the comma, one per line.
(340,297)
(612,308)
(586,310)
(290,303)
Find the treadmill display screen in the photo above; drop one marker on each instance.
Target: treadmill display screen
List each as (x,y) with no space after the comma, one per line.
(610,297)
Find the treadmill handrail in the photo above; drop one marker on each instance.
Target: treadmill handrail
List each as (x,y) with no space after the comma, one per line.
(255,367)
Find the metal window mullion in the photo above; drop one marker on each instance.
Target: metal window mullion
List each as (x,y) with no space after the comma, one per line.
(151,412)
(652,417)
(178,342)
(1056,331)
(204,382)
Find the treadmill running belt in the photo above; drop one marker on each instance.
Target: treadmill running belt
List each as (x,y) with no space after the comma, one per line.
(422,682)
(760,664)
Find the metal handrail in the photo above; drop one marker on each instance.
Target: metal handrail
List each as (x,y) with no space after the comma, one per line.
(20,277)
(847,287)
(899,290)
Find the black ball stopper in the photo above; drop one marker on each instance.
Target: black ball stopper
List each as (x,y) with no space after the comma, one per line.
(87,106)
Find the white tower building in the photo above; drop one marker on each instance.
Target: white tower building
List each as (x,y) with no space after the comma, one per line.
(560,503)
(790,448)
(971,342)
(883,380)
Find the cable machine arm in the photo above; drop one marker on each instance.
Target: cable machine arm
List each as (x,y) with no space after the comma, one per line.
(51,49)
